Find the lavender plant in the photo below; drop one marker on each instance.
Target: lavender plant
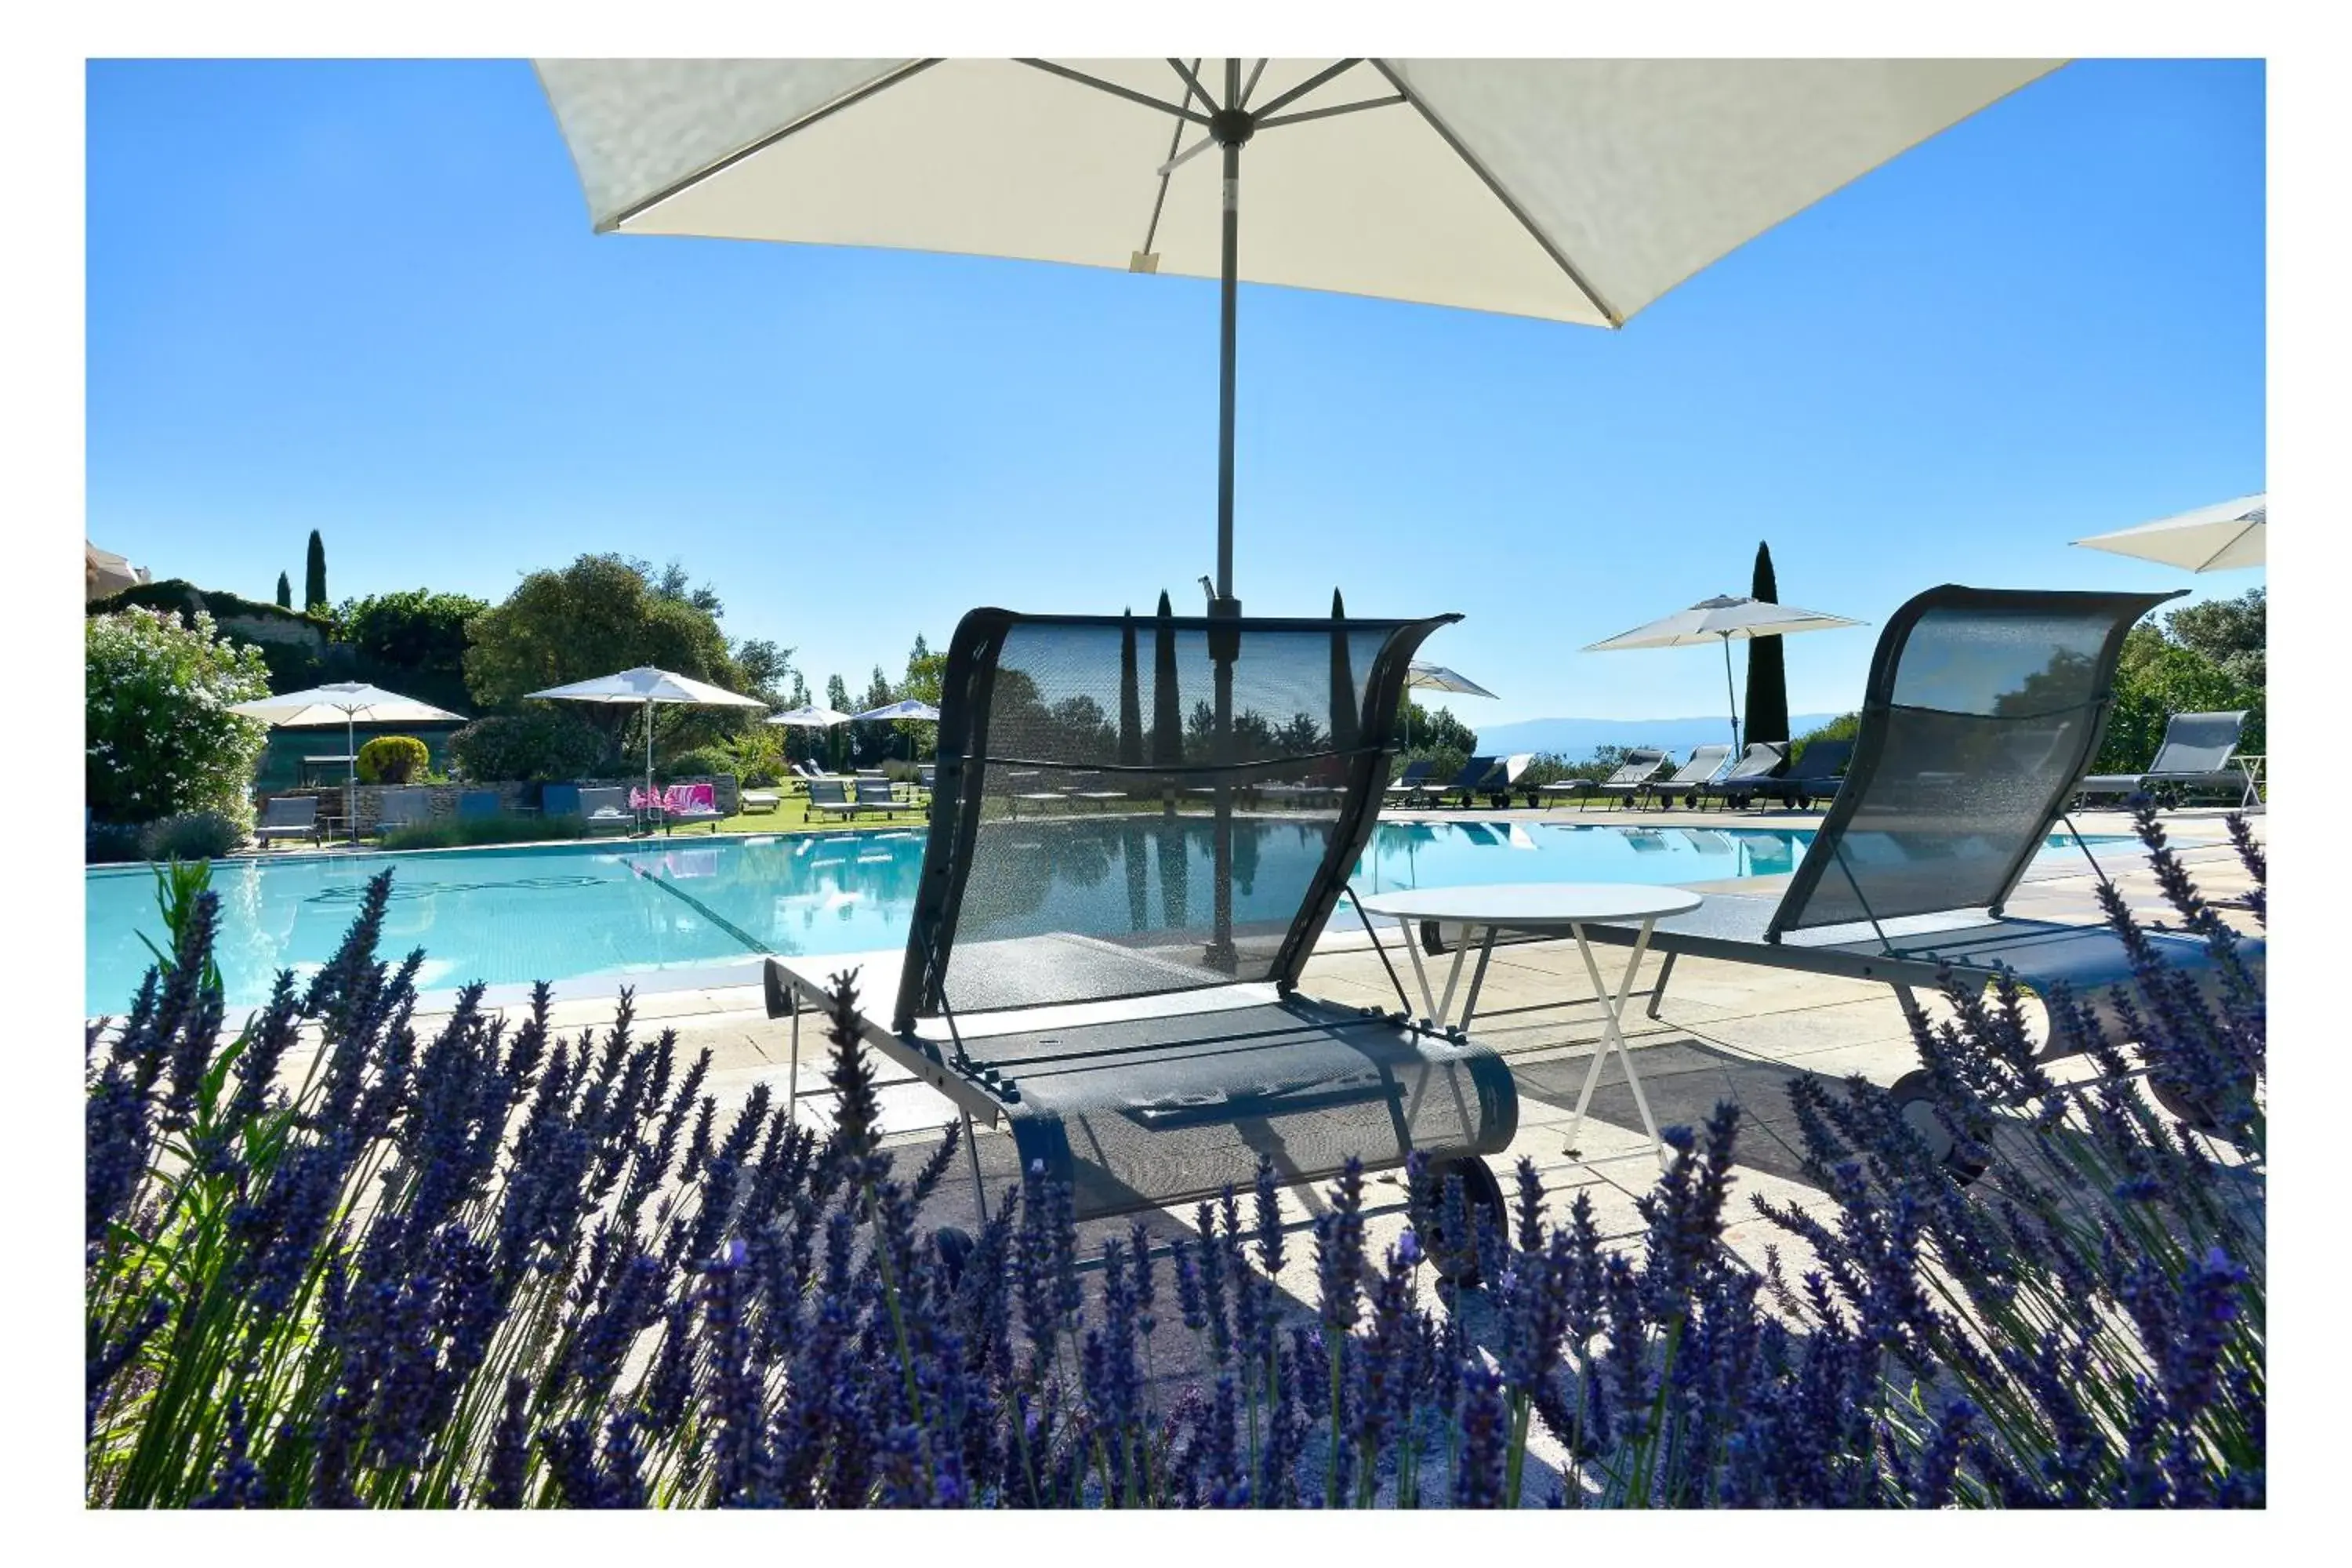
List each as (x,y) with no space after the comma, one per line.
(332,1262)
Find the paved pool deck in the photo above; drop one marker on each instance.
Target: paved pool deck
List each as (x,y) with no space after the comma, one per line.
(1725,1031)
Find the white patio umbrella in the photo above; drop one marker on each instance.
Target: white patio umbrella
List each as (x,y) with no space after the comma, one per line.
(908,709)
(1573,191)
(1421,677)
(809,718)
(647,686)
(2211,539)
(1569,190)
(344,702)
(1722,619)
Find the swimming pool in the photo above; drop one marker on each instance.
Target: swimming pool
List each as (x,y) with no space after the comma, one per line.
(570,912)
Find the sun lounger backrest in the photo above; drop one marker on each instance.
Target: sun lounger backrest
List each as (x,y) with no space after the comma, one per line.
(828,792)
(875,792)
(1474,773)
(1640,764)
(291,811)
(1822,759)
(1983,706)
(2199,743)
(1706,762)
(474,803)
(1022,911)
(1759,760)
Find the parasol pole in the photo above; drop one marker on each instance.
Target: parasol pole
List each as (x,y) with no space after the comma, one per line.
(1728,694)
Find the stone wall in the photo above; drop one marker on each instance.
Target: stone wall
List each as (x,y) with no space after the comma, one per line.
(441,799)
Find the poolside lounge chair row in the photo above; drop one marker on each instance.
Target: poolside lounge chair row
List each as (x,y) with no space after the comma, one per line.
(1761,774)
(1492,777)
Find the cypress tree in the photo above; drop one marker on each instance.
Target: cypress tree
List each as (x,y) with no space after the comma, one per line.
(1768,676)
(314,575)
(285,593)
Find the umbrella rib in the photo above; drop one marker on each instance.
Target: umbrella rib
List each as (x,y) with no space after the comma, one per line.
(679,187)
(1307,114)
(1160,201)
(1193,82)
(1112,87)
(1250,86)
(1304,88)
(1609,313)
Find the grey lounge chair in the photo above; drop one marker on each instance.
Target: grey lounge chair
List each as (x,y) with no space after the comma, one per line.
(832,798)
(873,794)
(1148,1049)
(1706,762)
(607,810)
(1818,774)
(400,808)
(1742,781)
(289,816)
(1642,764)
(1940,815)
(2195,754)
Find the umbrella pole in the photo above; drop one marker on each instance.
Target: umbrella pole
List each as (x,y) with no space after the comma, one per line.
(1231,134)
(649,753)
(1729,693)
(350,779)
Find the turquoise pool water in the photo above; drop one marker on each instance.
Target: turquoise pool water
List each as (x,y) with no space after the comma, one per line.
(510,916)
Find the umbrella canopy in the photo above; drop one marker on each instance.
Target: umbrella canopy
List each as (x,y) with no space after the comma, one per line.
(1437,677)
(104,573)
(1571,190)
(810,718)
(647,686)
(344,702)
(909,708)
(2211,539)
(1722,619)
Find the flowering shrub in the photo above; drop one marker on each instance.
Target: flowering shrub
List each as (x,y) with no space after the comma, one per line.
(500,1267)
(157,732)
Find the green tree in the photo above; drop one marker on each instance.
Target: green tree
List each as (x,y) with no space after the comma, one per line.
(1767,671)
(158,736)
(925,679)
(765,667)
(1437,731)
(2156,679)
(285,593)
(597,615)
(836,696)
(2230,632)
(314,575)
(414,641)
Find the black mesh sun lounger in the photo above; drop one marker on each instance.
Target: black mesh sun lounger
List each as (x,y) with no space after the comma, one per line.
(1641,765)
(1120,991)
(2196,755)
(1816,775)
(1684,782)
(1981,707)
(1748,776)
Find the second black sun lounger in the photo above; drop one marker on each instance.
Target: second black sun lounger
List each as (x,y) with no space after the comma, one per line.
(1981,707)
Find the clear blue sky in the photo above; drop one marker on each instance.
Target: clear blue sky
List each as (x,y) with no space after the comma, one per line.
(364,297)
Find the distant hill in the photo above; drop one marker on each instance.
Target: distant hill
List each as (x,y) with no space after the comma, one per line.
(1577,738)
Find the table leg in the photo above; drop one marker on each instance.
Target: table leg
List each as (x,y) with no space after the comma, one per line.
(1420,974)
(1478,975)
(1453,978)
(1612,1034)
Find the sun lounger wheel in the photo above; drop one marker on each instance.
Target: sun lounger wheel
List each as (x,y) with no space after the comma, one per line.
(1455,1259)
(1915,1099)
